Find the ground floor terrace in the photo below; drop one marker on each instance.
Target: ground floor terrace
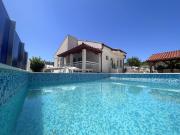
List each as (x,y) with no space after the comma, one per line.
(82,57)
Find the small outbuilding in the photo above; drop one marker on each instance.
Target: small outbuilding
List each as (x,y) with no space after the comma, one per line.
(171,59)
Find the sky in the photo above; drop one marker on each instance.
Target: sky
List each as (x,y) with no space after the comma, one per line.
(139,27)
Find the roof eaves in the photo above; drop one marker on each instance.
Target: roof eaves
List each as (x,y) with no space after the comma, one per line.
(113,48)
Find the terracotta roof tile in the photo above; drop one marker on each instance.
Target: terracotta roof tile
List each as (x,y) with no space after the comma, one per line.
(78,49)
(164,56)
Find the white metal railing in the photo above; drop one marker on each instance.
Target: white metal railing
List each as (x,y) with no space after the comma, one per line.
(80,63)
(89,65)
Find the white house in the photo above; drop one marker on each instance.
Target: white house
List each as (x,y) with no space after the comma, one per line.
(89,55)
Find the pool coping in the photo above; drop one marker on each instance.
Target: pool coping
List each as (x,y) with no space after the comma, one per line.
(4,66)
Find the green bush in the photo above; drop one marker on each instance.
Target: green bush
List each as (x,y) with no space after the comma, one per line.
(36,64)
(134,61)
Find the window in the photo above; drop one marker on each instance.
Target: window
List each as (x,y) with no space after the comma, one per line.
(112,64)
(61,61)
(107,58)
(121,63)
(74,59)
(80,59)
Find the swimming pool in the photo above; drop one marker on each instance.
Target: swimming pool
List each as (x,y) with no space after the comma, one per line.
(112,106)
(75,104)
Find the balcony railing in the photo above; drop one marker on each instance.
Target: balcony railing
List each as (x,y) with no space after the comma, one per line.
(89,65)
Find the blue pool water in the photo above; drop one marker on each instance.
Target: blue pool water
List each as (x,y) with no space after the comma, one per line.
(106,107)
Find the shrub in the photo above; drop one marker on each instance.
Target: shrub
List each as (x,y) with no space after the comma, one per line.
(134,61)
(36,64)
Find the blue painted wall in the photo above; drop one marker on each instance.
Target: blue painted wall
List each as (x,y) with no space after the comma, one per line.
(10,43)
(4,33)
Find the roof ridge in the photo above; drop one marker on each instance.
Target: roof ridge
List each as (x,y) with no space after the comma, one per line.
(90,41)
(166,52)
(114,49)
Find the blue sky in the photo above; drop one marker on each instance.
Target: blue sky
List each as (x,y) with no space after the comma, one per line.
(139,27)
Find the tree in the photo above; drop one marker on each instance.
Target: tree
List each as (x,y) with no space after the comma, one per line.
(144,63)
(134,61)
(36,64)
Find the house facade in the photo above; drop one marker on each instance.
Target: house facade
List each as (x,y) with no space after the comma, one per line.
(86,55)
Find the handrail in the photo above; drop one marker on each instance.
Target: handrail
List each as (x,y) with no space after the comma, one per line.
(80,62)
(86,62)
